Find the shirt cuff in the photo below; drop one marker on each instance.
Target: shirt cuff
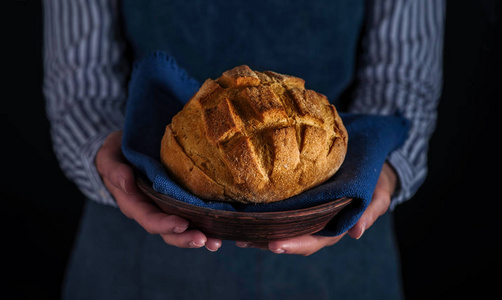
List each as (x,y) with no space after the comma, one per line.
(408,181)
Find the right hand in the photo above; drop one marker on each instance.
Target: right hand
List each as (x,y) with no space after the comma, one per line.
(118,177)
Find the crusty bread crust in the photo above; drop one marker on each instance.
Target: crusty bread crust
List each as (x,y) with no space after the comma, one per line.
(254,137)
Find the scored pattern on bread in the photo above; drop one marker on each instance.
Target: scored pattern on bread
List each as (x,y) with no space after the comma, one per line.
(254,137)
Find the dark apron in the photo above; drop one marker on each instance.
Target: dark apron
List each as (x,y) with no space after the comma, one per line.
(114,258)
(315,40)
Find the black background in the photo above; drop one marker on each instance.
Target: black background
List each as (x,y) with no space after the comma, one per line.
(447,233)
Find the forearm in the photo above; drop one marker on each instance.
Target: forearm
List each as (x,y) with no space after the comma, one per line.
(84,85)
(400,72)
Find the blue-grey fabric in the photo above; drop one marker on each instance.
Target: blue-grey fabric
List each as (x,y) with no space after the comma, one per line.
(115,258)
(159,88)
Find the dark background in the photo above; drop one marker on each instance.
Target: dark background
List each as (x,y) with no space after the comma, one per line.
(447,233)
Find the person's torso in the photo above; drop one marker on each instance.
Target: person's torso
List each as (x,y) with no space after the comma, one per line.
(314,40)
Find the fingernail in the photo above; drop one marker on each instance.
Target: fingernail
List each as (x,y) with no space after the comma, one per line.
(362,231)
(212,250)
(278,251)
(193,244)
(179,229)
(122,182)
(213,246)
(243,244)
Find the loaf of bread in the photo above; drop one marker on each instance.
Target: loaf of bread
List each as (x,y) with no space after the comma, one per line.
(253,137)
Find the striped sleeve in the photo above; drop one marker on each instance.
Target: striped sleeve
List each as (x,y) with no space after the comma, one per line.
(84,85)
(400,71)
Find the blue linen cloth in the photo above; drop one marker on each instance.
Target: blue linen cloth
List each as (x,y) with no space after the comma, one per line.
(159,88)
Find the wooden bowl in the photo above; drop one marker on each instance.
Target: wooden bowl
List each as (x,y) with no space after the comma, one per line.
(247,226)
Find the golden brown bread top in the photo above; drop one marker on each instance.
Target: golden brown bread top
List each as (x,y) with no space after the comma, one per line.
(254,137)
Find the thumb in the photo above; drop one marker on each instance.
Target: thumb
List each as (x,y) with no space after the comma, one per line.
(111,164)
(377,207)
(379,204)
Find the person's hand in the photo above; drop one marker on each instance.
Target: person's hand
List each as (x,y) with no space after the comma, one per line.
(118,177)
(310,244)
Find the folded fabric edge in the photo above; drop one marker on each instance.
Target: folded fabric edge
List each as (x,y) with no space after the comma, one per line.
(156,173)
(344,220)
(176,74)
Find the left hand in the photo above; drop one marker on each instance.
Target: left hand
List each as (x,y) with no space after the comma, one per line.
(309,244)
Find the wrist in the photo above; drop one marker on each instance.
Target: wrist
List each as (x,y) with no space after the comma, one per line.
(392,181)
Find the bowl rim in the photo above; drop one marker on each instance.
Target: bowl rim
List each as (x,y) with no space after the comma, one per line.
(321,209)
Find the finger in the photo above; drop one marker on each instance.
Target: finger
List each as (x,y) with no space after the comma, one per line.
(173,229)
(259,245)
(380,201)
(213,244)
(378,206)
(111,164)
(188,239)
(303,245)
(139,207)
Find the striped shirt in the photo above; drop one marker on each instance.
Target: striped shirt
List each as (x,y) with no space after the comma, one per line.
(86,69)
